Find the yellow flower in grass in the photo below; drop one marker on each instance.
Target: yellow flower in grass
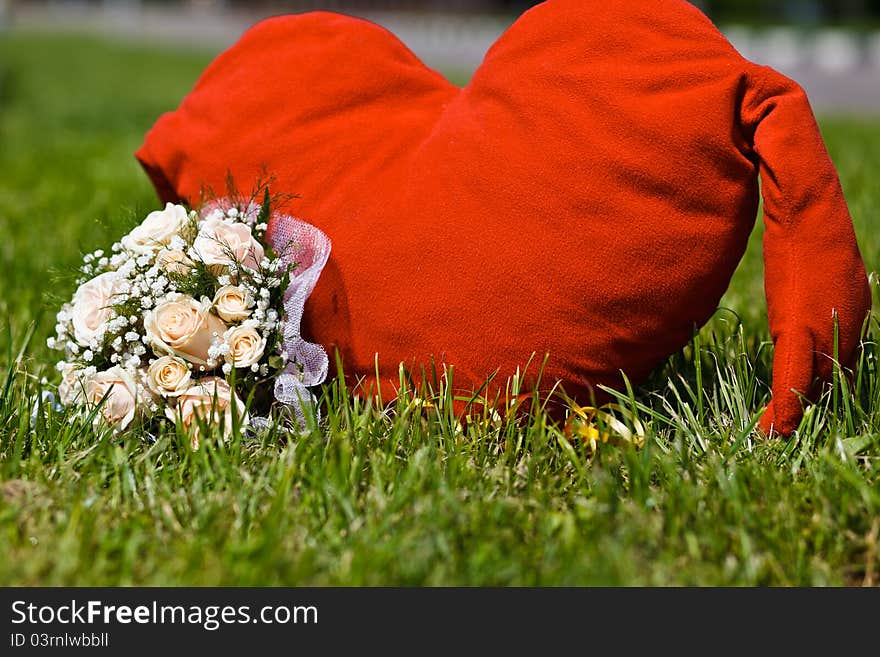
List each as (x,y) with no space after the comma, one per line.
(593,427)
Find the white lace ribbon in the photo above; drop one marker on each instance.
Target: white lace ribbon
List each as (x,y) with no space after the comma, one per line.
(307,249)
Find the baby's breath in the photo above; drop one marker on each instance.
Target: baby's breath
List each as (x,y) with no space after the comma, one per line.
(144,282)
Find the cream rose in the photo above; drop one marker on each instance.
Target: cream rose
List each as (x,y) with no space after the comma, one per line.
(71,388)
(168,376)
(184,327)
(220,244)
(246,345)
(156,230)
(121,395)
(210,400)
(174,261)
(91,306)
(233,303)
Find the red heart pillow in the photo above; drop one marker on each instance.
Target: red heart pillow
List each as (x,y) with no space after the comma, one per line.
(588,195)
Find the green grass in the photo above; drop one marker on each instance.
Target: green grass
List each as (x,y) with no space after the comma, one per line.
(399,497)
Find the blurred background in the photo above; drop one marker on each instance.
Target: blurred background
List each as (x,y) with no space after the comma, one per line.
(832,47)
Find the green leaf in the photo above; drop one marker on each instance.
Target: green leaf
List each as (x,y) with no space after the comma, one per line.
(266,208)
(858,444)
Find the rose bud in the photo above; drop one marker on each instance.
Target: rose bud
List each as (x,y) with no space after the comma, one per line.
(174,261)
(233,303)
(246,346)
(168,376)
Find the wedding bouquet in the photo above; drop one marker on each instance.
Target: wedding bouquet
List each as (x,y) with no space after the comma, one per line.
(194,318)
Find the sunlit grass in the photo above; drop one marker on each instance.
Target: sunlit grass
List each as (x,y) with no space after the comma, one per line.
(402,494)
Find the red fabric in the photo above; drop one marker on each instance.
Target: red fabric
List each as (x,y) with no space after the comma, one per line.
(588,195)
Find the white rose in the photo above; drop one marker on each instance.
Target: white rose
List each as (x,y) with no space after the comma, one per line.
(233,303)
(121,395)
(220,244)
(184,327)
(91,306)
(211,400)
(72,386)
(156,230)
(246,346)
(174,261)
(168,376)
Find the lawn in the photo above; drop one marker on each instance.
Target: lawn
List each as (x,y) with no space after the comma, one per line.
(398,496)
